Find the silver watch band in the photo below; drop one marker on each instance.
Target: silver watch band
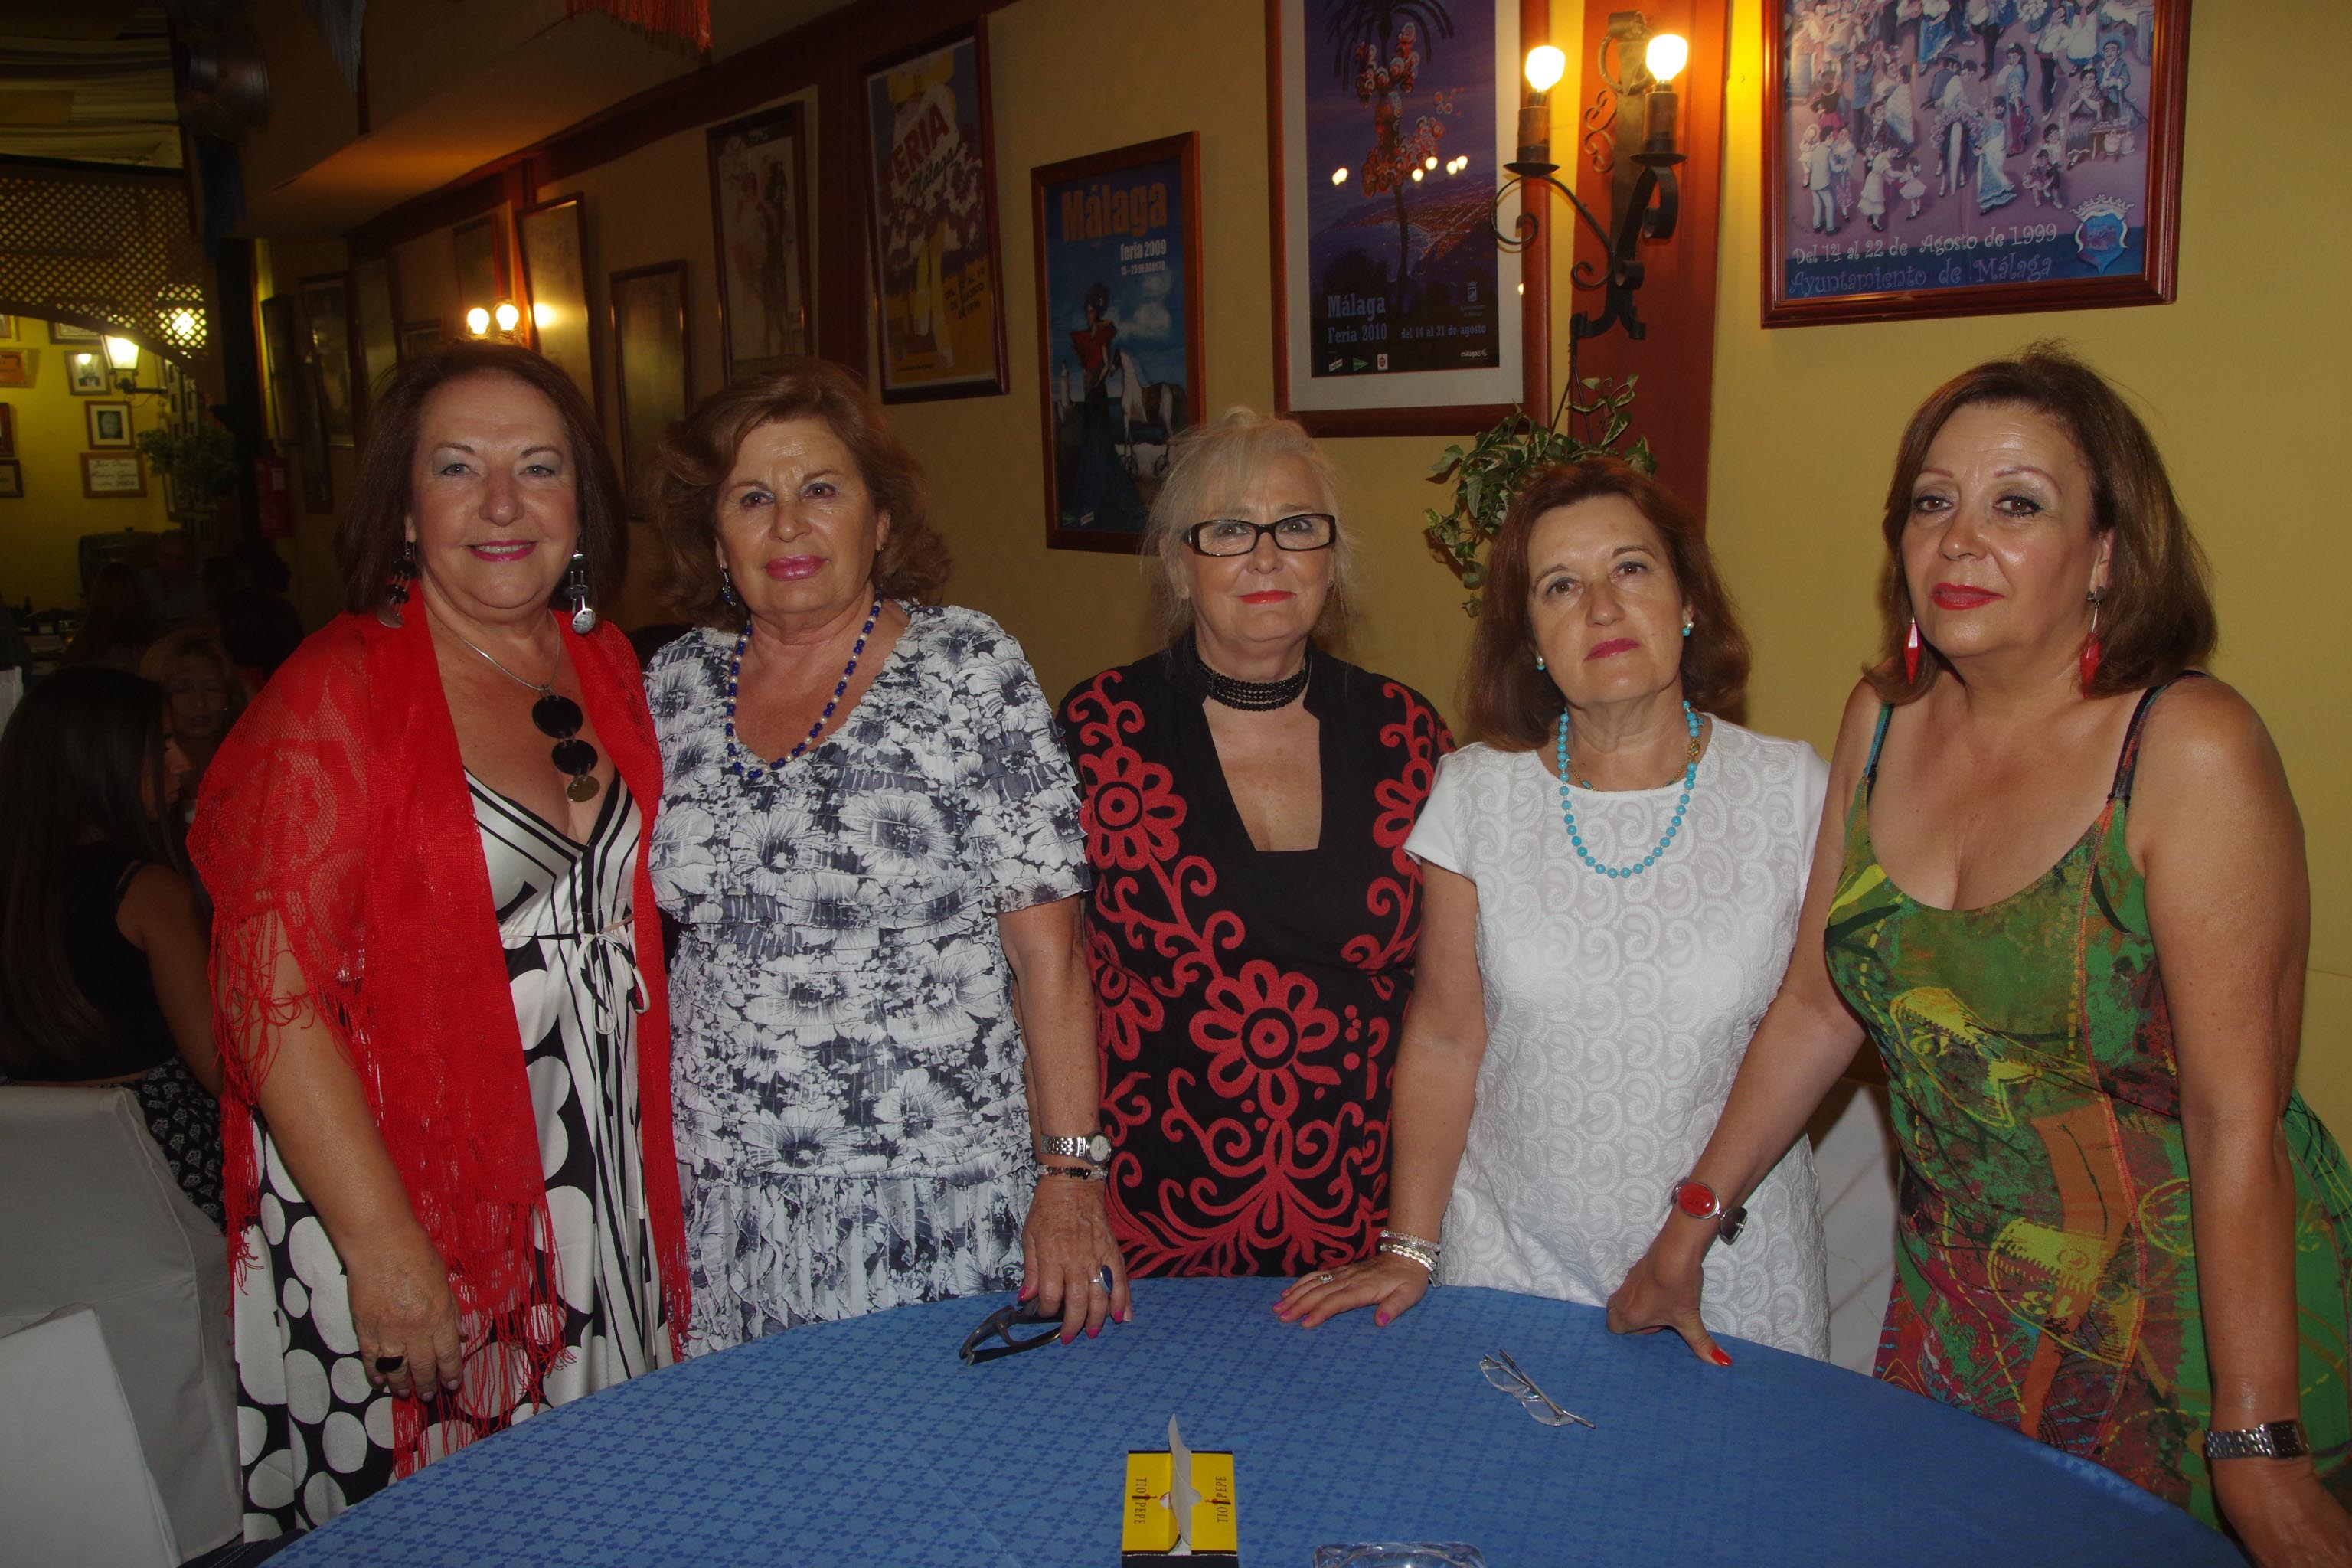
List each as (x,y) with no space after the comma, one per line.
(1092,1148)
(2271,1440)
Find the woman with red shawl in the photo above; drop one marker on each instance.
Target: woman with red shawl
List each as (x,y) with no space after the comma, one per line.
(452,1197)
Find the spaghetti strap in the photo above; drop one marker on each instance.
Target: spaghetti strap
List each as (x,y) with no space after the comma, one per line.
(2127,764)
(1877,741)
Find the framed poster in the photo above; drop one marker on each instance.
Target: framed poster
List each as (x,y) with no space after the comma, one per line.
(11,480)
(760,197)
(375,328)
(1119,332)
(1397,311)
(1956,159)
(940,288)
(7,430)
(481,262)
(555,281)
(652,363)
(108,475)
(16,367)
(86,373)
(326,343)
(418,339)
(66,332)
(108,423)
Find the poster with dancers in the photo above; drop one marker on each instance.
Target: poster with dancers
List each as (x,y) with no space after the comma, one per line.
(934,216)
(760,201)
(1397,309)
(1969,157)
(1119,312)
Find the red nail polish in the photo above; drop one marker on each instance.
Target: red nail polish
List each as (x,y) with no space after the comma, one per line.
(1095,1333)
(1720,1358)
(1382,1318)
(1028,1288)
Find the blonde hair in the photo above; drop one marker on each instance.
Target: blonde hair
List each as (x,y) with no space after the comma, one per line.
(196,642)
(1212,461)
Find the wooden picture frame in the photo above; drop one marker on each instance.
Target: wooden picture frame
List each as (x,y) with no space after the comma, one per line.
(87,373)
(11,480)
(931,209)
(326,352)
(109,424)
(294,414)
(553,236)
(7,430)
(7,329)
(1396,309)
(418,339)
(376,329)
(112,475)
(70,333)
(1117,246)
(481,252)
(16,367)
(1871,221)
(761,203)
(653,363)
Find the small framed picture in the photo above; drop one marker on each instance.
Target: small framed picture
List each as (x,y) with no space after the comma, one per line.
(15,368)
(86,373)
(106,475)
(7,329)
(11,481)
(66,332)
(109,424)
(7,431)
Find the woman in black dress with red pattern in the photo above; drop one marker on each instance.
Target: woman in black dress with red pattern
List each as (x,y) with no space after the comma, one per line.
(1254,915)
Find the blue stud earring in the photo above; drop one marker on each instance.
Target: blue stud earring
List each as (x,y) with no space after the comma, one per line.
(1539,663)
(1686,628)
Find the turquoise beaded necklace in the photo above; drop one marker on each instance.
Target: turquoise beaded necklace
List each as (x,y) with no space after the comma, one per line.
(1568,807)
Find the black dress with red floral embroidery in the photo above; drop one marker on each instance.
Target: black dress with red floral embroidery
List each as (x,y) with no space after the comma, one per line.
(1250,1002)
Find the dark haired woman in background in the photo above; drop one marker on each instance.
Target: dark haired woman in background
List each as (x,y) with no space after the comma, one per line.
(439,970)
(102,948)
(2122,1231)
(1614,879)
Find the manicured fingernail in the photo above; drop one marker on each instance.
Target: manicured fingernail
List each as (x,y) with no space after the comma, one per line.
(1131,1311)
(1382,1318)
(1720,1358)
(1095,1333)
(1028,1288)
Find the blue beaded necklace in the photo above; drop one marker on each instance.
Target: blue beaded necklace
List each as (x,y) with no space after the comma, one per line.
(1568,807)
(739,759)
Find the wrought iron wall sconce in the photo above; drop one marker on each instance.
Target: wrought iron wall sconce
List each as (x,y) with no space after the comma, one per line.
(1646,209)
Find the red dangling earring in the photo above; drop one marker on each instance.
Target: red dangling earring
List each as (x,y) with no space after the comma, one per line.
(1911,654)
(2091,649)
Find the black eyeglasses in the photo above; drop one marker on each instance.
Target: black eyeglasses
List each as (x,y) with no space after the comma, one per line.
(999,1325)
(1238,536)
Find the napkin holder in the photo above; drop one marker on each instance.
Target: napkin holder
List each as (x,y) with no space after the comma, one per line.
(1178,1508)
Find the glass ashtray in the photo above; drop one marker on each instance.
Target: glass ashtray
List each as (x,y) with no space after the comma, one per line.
(1401,1554)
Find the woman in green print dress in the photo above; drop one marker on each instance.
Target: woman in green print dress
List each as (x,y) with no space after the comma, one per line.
(2121,1231)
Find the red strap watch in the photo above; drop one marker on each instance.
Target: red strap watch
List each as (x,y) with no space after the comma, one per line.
(1699,1201)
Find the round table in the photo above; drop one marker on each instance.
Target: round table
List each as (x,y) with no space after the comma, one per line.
(868,1442)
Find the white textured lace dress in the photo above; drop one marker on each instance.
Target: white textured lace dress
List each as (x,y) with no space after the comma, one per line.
(1617,1013)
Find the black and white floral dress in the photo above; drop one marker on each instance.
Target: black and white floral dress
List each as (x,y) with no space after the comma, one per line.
(852,1127)
(313,1437)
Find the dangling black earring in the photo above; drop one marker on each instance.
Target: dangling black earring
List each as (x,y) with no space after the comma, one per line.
(584,614)
(395,591)
(727,589)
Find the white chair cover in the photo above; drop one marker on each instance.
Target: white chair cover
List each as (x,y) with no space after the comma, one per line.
(74,1490)
(1854,1161)
(93,1217)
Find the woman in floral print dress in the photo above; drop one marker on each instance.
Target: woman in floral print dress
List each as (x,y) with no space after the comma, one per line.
(870,837)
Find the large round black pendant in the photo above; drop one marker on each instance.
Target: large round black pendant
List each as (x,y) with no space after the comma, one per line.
(574,757)
(557,716)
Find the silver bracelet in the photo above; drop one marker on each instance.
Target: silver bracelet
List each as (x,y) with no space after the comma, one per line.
(1399,1243)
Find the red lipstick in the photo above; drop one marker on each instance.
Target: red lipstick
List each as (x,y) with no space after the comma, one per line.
(1960,596)
(793,568)
(1611,648)
(1268,597)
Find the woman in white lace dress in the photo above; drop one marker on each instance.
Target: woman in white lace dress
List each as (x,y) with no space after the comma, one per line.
(1612,883)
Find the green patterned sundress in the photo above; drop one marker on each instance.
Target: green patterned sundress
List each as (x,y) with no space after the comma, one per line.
(2046,1270)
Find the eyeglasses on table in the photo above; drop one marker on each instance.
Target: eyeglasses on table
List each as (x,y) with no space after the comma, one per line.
(1505,1374)
(999,1325)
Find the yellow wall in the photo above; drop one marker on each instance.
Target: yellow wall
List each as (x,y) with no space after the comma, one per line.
(2243,379)
(40,534)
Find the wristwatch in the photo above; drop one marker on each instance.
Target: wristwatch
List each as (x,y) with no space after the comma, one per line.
(2271,1440)
(1094,1148)
(1696,1199)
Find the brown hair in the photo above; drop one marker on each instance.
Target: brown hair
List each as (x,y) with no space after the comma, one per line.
(196,642)
(2155,615)
(699,452)
(368,543)
(1512,704)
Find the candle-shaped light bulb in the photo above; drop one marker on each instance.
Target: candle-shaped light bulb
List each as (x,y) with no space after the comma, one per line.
(1666,56)
(477,322)
(508,316)
(1546,66)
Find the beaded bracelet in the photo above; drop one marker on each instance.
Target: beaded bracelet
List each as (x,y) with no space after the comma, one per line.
(1399,1244)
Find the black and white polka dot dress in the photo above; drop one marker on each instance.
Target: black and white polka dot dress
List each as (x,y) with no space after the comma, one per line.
(313,1437)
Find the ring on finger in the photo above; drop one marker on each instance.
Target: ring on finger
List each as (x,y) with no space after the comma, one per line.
(1324,1277)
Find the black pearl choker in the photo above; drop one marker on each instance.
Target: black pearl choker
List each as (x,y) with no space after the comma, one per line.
(1250,696)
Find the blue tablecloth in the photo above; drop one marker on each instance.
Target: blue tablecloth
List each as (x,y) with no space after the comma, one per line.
(868,1442)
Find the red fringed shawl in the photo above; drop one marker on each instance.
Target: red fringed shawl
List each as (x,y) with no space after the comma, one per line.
(335,826)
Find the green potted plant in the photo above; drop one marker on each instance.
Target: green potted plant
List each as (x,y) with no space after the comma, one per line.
(1490,471)
(200,461)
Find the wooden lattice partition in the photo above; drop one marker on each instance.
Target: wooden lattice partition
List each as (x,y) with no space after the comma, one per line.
(104,249)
